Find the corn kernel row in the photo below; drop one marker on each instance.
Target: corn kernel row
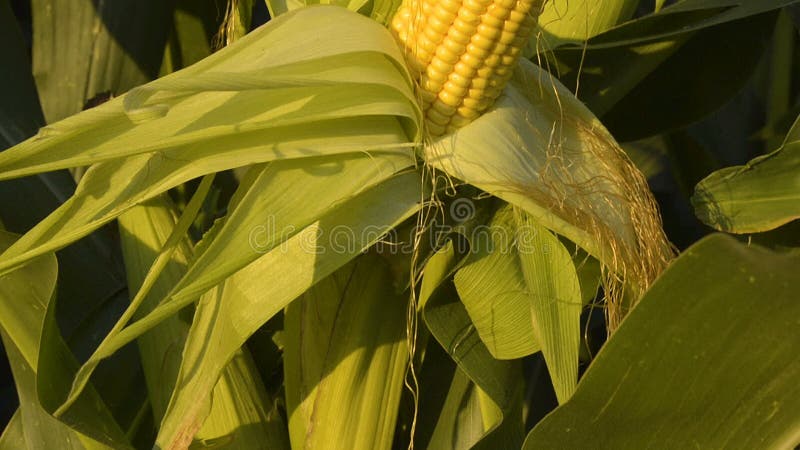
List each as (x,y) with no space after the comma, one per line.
(463,53)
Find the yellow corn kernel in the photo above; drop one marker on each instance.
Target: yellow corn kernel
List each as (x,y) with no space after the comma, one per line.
(447,103)
(462,52)
(441,105)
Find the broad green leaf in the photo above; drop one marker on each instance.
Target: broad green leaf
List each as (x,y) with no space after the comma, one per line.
(554,298)
(83,48)
(759,196)
(645,64)
(497,385)
(674,94)
(345,359)
(695,15)
(501,382)
(540,149)
(707,359)
(13,437)
(91,273)
(234,108)
(461,423)
(143,231)
(573,21)
(194,25)
(491,285)
(283,199)
(39,429)
(34,345)
(260,290)
(274,203)
(91,285)
(239,414)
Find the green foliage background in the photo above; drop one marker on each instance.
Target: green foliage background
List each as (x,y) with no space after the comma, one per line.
(135,312)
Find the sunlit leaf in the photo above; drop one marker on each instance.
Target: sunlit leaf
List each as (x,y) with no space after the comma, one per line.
(264,287)
(345,359)
(554,298)
(492,287)
(265,97)
(499,382)
(759,196)
(240,411)
(34,344)
(541,150)
(711,346)
(574,21)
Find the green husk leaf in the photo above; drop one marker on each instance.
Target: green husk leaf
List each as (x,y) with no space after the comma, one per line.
(274,204)
(291,268)
(234,108)
(711,346)
(345,359)
(541,150)
(240,414)
(464,417)
(283,199)
(554,297)
(497,384)
(492,288)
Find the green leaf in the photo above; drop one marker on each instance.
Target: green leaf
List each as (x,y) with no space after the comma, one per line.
(554,298)
(194,25)
(239,412)
(759,196)
(275,203)
(491,285)
(34,345)
(380,10)
(707,359)
(13,437)
(499,382)
(461,421)
(573,21)
(143,231)
(282,199)
(346,351)
(678,92)
(39,430)
(648,63)
(256,293)
(85,48)
(91,286)
(234,108)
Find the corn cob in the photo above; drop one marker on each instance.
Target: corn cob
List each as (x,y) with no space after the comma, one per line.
(462,52)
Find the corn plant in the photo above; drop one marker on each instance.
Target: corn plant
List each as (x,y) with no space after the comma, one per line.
(375,224)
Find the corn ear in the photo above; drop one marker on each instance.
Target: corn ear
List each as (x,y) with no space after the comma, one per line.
(463,53)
